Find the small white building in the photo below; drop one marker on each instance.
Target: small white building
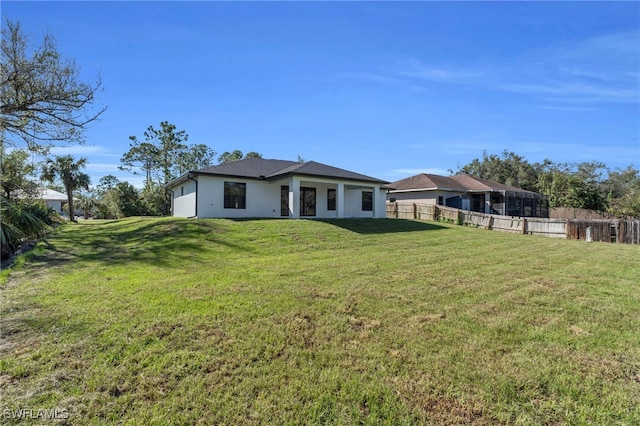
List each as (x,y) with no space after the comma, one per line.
(262,188)
(54,199)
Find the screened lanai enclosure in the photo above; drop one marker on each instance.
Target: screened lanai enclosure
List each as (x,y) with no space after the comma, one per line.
(508,203)
(522,204)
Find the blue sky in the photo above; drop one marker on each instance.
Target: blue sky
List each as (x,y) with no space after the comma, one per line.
(387,89)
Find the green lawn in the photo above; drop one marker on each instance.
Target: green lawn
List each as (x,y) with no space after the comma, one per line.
(173,321)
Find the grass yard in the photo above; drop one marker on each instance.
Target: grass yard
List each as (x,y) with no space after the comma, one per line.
(172,321)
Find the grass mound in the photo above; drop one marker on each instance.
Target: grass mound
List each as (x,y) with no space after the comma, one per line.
(157,321)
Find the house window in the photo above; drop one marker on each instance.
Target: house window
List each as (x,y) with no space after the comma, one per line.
(307,201)
(235,195)
(367,201)
(181,190)
(331,199)
(284,200)
(440,200)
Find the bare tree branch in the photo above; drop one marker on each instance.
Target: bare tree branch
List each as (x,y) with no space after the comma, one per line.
(42,97)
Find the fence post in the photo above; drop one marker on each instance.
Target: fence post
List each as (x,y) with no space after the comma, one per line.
(524,225)
(415,211)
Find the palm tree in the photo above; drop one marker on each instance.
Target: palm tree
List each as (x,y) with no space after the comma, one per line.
(68,171)
(87,203)
(17,224)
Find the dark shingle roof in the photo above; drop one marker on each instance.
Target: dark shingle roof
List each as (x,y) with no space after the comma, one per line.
(249,167)
(260,168)
(312,168)
(460,183)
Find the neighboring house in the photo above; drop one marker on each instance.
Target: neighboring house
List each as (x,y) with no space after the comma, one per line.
(469,193)
(54,199)
(257,187)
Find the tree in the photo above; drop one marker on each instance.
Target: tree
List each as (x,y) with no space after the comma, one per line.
(144,156)
(17,223)
(572,185)
(68,171)
(17,174)
(105,184)
(622,189)
(152,199)
(158,155)
(42,97)
(128,200)
(164,156)
(195,157)
(227,157)
(511,169)
(87,204)
(107,197)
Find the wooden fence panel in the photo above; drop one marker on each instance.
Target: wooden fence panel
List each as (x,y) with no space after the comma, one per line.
(553,228)
(392,210)
(448,214)
(629,232)
(426,212)
(406,211)
(509,224)
(603,230)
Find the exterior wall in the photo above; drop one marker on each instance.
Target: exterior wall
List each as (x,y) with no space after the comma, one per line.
(322,189)
(55,204)
(184,199)
(353,203)
(381,203)
(263,198)
(422,197)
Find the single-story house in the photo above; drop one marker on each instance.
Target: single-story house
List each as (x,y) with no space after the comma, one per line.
(257,187)
(469,193)
(54,199)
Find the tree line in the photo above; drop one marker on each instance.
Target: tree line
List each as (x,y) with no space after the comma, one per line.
(160,158)
(586,185)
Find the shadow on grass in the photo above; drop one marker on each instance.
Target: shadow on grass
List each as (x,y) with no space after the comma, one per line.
(158,242)
(382,226)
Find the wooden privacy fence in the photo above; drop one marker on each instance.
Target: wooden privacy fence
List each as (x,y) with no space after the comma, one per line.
(604,230)
(607,230)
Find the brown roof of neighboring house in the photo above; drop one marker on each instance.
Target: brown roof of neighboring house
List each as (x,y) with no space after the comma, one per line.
(458,183)
(475,184)
(427,182)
